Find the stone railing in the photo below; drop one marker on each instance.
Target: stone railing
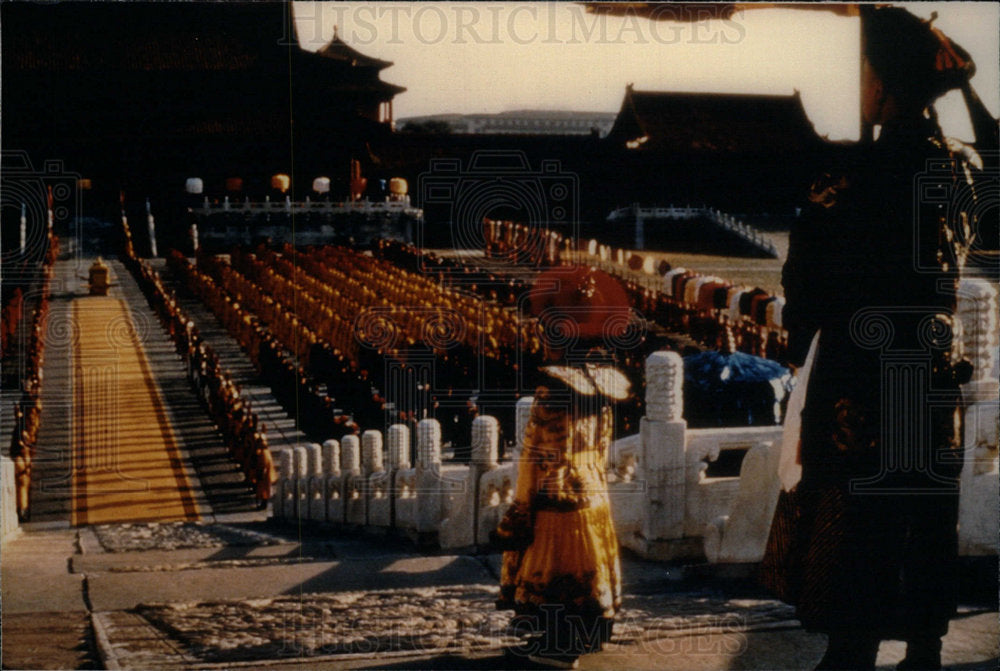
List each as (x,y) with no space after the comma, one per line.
(744,231)
(347,483)
(666,501)
(662,495)
(728,222)
(979,502)
(306,206)
(9,526)
(220,225)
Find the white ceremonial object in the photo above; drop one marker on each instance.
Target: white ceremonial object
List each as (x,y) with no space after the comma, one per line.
(789,464)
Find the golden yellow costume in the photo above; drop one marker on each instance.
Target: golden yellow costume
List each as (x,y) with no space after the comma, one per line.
(562,550)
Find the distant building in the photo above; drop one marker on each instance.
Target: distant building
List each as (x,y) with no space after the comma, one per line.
(355,77)
(520,122)
(741,153)
(730,124)
(140,96)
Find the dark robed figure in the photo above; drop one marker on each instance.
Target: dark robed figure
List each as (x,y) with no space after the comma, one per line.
(865,546)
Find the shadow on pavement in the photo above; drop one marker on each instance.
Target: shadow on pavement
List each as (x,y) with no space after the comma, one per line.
(457,663)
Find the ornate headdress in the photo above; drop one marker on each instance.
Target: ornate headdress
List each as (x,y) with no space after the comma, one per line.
(914,59)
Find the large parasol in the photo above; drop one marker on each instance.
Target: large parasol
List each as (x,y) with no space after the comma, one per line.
(729,388)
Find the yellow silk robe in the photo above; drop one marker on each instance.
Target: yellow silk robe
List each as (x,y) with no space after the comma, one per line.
(561,504)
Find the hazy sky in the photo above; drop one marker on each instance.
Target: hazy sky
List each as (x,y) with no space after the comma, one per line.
(491,57)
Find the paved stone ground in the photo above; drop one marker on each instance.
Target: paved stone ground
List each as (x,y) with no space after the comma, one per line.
(56,640)
(237,594)
(46,623)
(458,619)
(175,536)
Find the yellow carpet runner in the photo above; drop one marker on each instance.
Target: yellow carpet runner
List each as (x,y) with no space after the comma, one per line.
(126,463)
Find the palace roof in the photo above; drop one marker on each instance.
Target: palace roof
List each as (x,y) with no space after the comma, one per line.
(338,50)
(729,123)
